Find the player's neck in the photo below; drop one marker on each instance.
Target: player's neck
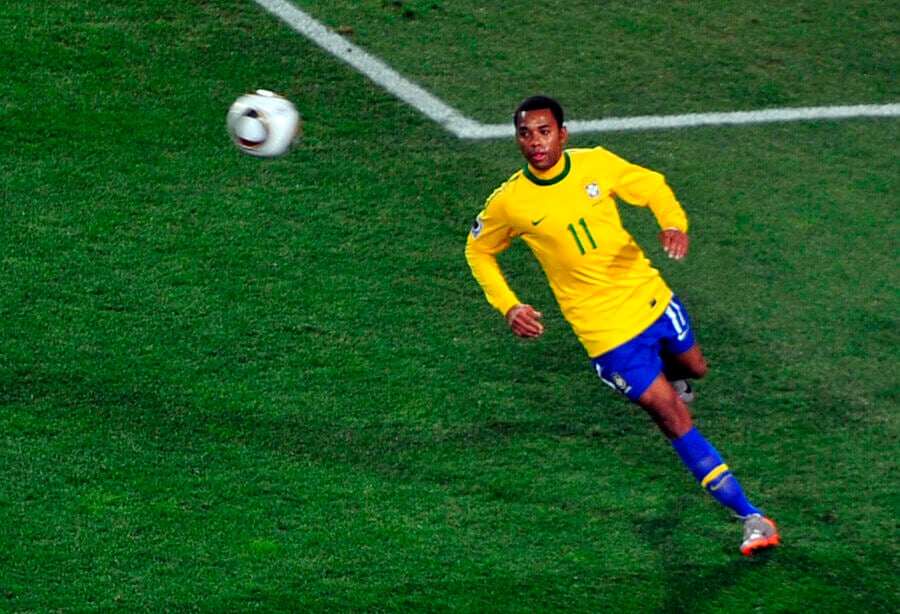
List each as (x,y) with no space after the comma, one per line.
(552,175)
(552,172)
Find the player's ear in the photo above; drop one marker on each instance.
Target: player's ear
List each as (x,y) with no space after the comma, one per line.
(563,135)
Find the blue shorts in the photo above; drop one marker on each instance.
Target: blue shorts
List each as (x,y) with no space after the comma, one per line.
(631,367)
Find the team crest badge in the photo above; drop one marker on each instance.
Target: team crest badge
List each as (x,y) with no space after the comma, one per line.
(620,382)
(593,190)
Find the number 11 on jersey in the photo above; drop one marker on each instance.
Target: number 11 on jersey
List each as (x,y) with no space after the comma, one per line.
(587,232)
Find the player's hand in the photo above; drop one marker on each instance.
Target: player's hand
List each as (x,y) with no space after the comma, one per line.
(523,320)
(675,243)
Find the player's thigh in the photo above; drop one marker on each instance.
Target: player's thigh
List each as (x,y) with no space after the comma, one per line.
(673,329)
(678,342)
(630,368)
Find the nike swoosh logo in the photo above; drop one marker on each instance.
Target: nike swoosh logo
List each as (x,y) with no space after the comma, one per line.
(536,222)
(720,484)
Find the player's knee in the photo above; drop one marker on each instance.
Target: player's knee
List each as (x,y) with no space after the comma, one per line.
(690,364)
(695,362)
(701,368)
(669,412)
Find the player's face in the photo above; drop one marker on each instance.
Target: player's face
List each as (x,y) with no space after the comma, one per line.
(540,138)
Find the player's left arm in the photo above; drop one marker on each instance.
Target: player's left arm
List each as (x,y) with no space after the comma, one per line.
(675,243)
(671,217)
(645,188)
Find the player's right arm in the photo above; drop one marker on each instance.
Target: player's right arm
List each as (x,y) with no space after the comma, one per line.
(524,321)
(491,234)
(482,248)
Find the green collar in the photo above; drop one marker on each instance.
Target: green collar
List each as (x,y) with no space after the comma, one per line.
(553,180)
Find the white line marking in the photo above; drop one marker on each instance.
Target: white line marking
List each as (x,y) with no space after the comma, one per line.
(372,67)
(463,127)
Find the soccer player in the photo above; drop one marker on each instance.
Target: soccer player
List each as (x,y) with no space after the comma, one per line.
(562,204)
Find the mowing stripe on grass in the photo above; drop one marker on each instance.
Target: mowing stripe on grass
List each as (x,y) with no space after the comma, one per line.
(465,128)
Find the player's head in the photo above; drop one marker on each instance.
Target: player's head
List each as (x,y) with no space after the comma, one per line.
(540,132)
(536,103)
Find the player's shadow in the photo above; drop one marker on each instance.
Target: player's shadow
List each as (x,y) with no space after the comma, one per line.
(690,588)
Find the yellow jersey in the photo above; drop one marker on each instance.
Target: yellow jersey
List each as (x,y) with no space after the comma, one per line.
(606,287)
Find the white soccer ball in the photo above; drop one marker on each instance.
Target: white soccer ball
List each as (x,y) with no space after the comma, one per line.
(263,124)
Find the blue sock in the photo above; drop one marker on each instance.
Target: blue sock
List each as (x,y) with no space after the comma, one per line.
(711,471)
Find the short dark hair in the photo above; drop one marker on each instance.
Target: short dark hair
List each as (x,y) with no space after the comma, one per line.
(535,103)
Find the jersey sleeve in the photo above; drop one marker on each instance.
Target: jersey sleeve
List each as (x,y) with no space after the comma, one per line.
(642,187)
(490,235)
